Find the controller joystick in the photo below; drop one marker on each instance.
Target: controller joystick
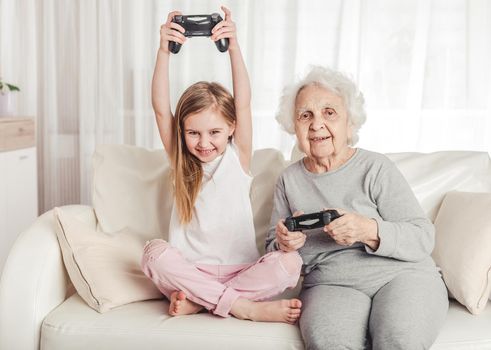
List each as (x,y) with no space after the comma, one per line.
(311,221)
(198,25)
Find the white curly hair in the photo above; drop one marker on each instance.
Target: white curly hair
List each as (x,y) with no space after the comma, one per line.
(335,82)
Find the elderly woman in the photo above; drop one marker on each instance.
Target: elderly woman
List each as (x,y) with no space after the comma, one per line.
(369,279)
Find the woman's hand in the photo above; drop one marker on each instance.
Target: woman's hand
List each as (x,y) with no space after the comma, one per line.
(289,241)
(351,228)
(226,30)
(171,31)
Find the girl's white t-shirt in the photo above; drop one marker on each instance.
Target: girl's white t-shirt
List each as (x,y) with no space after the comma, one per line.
(221,231)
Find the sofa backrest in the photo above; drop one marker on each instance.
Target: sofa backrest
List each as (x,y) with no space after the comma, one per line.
(432,175)
(131,189)
(132,185)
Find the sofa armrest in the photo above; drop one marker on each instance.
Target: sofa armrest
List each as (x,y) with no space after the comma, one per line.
(34,281)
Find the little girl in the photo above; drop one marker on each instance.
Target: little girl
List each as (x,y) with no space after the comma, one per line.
(211,260)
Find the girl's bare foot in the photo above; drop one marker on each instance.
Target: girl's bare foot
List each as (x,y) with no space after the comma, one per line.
(287,311)
(180,305)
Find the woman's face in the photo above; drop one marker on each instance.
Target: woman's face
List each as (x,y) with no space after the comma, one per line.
(321,122)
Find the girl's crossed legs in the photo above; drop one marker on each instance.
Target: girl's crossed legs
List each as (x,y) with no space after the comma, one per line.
(224,290)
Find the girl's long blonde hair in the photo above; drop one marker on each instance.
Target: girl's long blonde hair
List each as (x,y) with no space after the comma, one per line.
(187,169)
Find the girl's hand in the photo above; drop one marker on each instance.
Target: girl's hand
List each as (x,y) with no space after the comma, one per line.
(289,241)
(171,31)
(351,228)
(226,29)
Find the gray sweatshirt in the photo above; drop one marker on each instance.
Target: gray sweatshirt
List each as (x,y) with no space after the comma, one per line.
(368,184)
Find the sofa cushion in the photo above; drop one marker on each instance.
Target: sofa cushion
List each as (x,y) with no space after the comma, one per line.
(463,247)
(464,331)
(132,189)
(266,167)
(103,267)
(146,325)
(432,175)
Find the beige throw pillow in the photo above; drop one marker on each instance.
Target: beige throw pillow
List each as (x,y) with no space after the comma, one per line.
(103,267)
(463,247)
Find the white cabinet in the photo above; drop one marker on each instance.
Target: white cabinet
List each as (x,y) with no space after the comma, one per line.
(18,186)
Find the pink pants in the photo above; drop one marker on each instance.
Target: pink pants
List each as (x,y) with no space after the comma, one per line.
(217,287)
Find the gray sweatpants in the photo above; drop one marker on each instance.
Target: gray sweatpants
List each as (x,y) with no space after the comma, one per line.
(381,304)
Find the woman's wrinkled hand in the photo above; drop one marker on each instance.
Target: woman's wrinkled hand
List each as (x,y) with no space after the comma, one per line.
(289,241)
(353,227)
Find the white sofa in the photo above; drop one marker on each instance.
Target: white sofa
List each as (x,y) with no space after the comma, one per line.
(38,309)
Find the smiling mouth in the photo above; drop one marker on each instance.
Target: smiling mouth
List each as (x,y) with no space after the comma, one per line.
(205,151)
(319,138)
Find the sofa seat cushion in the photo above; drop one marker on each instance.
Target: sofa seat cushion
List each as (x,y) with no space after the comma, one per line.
(146,325)
(464,331)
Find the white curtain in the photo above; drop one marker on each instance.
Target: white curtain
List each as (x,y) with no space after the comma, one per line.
(85,68)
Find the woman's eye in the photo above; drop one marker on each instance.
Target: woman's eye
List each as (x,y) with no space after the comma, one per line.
(305,116)
(329,113)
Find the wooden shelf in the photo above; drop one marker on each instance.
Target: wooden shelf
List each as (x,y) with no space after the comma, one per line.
(17,133)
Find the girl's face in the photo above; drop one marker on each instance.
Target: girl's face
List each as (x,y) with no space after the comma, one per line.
(206,134)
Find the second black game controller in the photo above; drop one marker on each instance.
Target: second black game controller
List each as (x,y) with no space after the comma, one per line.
(198,25)
(311,221)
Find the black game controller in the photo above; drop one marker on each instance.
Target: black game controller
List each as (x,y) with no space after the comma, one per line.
(304,222)
(198,25)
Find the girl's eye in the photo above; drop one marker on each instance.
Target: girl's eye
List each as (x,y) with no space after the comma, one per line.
(192,133)
(214,132)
